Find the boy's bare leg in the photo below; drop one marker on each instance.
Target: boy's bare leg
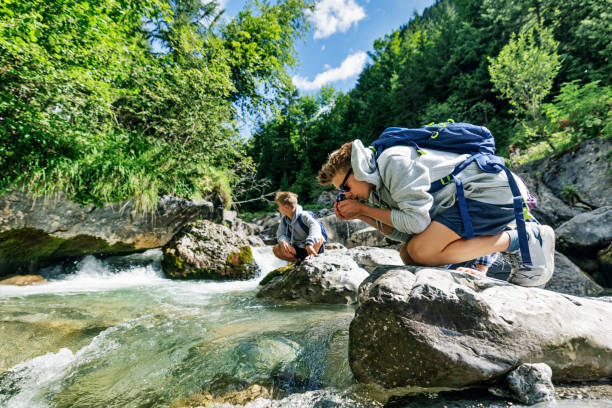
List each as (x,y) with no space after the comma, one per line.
(439,245)
(281,253)
(405,256)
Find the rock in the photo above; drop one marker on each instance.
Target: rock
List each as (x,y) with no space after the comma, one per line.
(340,231)
(368,237)
(23,280)
(331,278)
(582,237)
(429,327)
(570,279)
(578,176)
(371,258)
(334,246)
(241,398)
(532,383)
(327,198)
(550,210)
(205,250)
(255,241)
(586,232)
(35,232)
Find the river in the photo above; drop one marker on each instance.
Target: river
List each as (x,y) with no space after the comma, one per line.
(115,332)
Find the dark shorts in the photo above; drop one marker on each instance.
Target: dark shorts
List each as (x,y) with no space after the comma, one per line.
(487,219)
(301,254)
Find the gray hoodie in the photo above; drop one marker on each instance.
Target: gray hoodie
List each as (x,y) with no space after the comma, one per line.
(292,232)
(403,177)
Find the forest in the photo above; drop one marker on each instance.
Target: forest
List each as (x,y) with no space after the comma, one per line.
(130,100)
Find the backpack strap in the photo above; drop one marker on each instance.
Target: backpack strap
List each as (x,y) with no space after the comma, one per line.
(307,229)
(518,202)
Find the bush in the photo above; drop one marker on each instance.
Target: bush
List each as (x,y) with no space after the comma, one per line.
(579,113)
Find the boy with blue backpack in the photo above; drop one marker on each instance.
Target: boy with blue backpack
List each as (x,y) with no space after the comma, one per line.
(299,233)
(441,190)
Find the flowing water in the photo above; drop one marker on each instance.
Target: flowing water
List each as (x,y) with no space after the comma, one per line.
(117,333)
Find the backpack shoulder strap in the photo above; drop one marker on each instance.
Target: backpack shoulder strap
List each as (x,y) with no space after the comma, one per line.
(305,227)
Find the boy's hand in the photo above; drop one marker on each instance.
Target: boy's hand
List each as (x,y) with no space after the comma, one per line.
(310,250)
(348,209)
(287,249)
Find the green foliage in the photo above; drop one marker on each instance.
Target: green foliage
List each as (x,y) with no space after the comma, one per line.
(437,67)
(523,73)
(580,112)
(87,107)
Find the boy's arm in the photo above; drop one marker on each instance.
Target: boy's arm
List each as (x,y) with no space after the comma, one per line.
(407,180)
(281,232)
(314,231)
(384,228)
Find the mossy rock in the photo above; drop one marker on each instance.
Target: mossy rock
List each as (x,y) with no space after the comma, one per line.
(239,265)
(275,273)
(26,249)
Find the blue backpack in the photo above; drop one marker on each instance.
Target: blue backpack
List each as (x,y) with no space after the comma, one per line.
(305,227)
(461,138)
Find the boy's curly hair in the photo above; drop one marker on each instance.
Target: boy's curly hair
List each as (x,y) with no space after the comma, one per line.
(286,198)
(338,161)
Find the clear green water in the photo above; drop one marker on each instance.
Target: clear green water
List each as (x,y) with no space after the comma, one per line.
(115,333)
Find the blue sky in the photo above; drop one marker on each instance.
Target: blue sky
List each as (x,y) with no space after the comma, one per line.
(334,51)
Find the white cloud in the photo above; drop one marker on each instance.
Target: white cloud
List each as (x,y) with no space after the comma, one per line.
(351,66)
(323,47)
(331,16)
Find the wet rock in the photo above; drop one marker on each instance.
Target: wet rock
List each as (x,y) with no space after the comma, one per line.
(570,279)
(23,280)
(532,383)
(255,241)
(207,399)
(35,232)
(341,231)
(428,327)
(205,250)
(331,278)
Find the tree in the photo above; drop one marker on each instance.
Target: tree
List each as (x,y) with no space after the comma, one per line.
(524,71)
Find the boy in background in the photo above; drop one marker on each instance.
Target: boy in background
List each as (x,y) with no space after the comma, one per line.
(299,233)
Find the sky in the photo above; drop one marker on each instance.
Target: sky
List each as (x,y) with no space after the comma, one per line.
(334,52)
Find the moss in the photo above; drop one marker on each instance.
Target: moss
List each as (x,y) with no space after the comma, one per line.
(277,272)
(27,249)
(30,244)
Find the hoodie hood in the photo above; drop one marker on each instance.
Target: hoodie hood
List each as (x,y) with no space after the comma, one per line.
(296,214)
(364,165)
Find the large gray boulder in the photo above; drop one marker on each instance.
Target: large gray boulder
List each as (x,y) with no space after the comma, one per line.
(578,176)
(341,231)
(370,258)
(368,237)
(35,231)
(585,239)
(205,250)
(332,277)
(427,327)
(570,279)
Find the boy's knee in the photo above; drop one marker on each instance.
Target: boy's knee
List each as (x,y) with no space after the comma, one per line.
(419,253)
(405,256)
